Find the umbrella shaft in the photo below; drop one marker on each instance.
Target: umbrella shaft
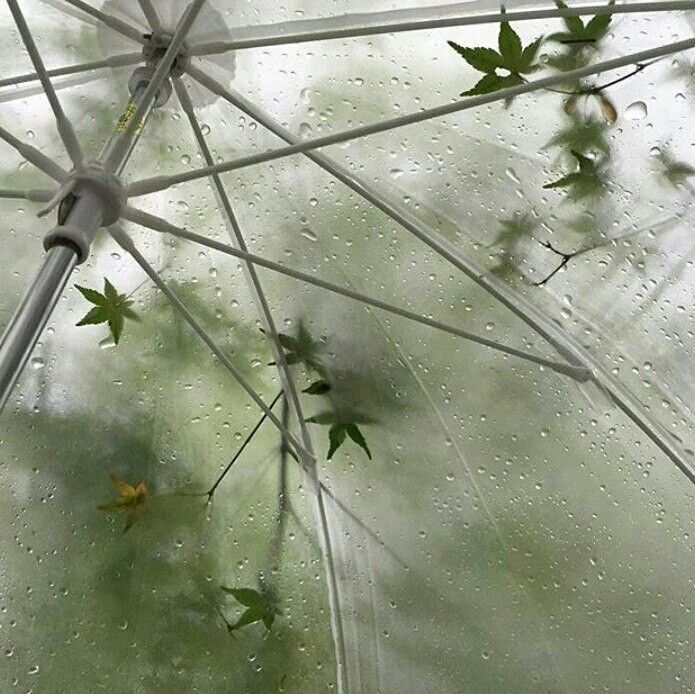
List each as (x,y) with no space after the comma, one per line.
(120,131)
(31,316)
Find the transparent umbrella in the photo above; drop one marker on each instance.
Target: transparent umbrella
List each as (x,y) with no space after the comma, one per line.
(356,354)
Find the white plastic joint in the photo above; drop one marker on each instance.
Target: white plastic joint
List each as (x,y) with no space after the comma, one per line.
(102,195)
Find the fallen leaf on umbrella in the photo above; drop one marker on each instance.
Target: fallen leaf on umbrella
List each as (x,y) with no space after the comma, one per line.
(131,500)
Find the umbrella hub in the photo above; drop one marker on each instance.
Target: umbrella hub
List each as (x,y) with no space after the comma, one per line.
(102,198)
(156,45)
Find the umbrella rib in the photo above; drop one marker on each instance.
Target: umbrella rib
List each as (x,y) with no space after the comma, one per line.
(34,156)
(65,129)
(516,303)
(158,183)
(239,243)
(363,525)
(439,417)
(349,178)
(579,373)
(285,375)
(150,14)
(365,190)
(110,21)
(32,194)
(370,24)
(127,244)
(355,518)
(161,74)
(120,60)
(307,456)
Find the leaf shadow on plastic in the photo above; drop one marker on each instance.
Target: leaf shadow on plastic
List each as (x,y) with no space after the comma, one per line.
(344,418)
(588,181)
(581,134)
(675,171)
(513,232)
(152,584)
(260,607)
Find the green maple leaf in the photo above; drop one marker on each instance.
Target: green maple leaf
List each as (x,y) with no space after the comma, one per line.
(582,135)
(110,307)
(579,33)
(302,349)
(587,182)
(343,425)
(493,83)
(511,57)
(260,607)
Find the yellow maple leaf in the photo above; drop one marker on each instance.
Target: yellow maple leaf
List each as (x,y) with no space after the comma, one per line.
(131,499)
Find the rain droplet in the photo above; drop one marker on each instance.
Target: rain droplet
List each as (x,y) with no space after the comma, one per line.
(305,130)
(309,234)
(37,363)
(511,174)
(636,111)
(396,173)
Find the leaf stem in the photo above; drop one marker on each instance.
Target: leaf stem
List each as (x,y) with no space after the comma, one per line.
(246,442)
(566,257)
(599,88)
(283,500)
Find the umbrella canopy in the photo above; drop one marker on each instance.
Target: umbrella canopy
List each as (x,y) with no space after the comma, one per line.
(368,366)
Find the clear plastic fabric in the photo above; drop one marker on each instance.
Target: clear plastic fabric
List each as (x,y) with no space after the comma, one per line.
(514,529)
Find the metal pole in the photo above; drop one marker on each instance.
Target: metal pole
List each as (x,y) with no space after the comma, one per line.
(31,316)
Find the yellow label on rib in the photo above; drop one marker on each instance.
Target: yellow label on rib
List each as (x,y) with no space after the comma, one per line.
(126,117)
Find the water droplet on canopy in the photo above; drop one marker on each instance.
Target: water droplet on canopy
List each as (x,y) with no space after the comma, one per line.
(636,111)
